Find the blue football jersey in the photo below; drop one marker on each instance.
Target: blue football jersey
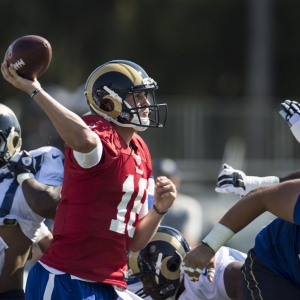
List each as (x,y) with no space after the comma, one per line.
(278,246)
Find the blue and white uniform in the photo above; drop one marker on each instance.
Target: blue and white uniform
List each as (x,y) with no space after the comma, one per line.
(13,204)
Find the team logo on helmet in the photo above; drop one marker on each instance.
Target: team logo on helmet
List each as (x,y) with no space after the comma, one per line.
(159,264)
(10,135)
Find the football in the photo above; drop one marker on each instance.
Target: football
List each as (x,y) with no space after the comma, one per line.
(31,56)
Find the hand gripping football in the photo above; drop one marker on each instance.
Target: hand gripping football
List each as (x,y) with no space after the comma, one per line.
(31,56)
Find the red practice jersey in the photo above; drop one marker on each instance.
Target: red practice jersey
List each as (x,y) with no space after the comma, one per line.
(98,211)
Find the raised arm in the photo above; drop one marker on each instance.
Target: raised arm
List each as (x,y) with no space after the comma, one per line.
(280,199)
(164,195)
(70,126)
(235,181)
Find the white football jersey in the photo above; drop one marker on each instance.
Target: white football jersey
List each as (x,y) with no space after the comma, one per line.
(203,289)
(13,204)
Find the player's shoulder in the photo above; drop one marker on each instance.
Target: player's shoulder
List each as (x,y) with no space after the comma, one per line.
(90,118)
(99,125)
(47,151)
(143,150)
(138,138)
(95,121)
(138,141)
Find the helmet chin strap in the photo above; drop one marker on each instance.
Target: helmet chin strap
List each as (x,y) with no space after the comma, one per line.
(144,121)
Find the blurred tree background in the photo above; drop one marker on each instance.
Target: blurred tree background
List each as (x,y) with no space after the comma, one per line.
(223,67)
(216,52)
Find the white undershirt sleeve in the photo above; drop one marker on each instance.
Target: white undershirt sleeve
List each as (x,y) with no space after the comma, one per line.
(88,160)
(42,232)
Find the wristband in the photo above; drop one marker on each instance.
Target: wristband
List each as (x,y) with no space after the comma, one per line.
(36,91)
(158,212)
(218,236)
(24,176)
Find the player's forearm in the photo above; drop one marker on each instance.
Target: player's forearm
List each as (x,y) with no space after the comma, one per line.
(279,199)
(145,230)
(244,211)
(41,198)
(294,175)
(69,125)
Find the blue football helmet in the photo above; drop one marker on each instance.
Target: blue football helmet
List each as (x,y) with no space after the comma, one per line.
(107,87)
(158,265)
(10,135)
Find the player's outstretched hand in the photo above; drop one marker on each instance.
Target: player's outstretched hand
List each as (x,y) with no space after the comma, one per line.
(197,259)
(290,112)
(164,193)
(24,163)
(23,84)
(231,181)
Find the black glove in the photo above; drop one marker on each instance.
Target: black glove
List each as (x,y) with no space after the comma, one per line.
(23,162)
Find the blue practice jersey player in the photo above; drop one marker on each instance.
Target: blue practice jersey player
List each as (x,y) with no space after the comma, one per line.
(271,269)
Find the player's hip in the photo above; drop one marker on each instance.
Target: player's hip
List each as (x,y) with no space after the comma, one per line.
(63,287)
(260,282)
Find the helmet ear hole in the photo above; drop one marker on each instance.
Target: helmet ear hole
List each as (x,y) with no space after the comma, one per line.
(15,141)
(173,263)
(168,272)
(107,105)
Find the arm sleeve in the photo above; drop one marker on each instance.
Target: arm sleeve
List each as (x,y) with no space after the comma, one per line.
(91,159)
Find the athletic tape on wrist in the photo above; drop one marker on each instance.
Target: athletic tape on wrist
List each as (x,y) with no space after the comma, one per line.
(24,176)
(218,236)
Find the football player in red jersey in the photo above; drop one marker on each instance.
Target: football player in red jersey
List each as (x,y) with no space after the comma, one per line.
(103,210)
